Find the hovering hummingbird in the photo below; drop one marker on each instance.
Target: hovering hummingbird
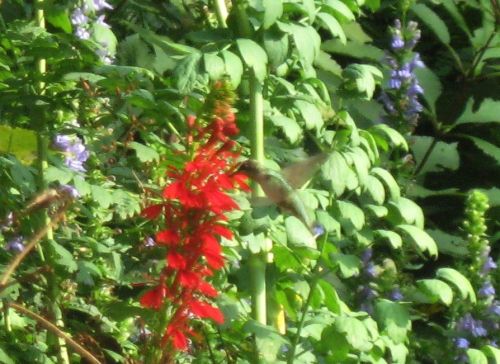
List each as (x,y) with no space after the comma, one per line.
(281,187)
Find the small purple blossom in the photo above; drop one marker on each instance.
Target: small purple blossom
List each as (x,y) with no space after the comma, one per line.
(469,324)
(396,295)
(416,62)
(415,88)
(70,191)
(78,17)
(461,343)
(318,230)
(15,244)
(488,265)
(100,21)
(82,33)
(397,42)
(495,308)
(370,270)
(149,242)
(76,153)
(101,5)
(487,290)
(367,293)
(366,256)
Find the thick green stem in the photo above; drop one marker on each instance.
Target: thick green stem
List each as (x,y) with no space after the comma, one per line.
(53,289)
(221,11)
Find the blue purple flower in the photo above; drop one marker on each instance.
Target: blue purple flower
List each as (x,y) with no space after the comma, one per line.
(15,244)
(396,295)
(70,191)
(469,324)
(75,151)
(488,265)
(101,5)
(487,290)
(149,242)
(461,343)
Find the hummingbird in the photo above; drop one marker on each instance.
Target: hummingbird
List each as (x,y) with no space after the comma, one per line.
(281,187)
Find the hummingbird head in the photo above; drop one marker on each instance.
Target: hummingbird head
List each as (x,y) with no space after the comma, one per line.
(249,167)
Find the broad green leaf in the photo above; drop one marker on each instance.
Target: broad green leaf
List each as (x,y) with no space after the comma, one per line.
(64,257)
(57,15)
(87,271)
(449,244)
(54,174)
(273,9)
(339,9)
(393,318)
(331,225)
(361,78)
(277,45)
(375,189)
(268,340)
(86,76)
(166,44)
(233,66)
(310,113)
(476,357)
(255,242)
(359,160)
(490,149)
(82,186)
(353,49)
(407,212)
(186,72)
(486,113)
(253,56)
(433,21)
(351,216)
(307,43)
(492,352)
(431,85)
(101,195)
(4,358)
(420,239)
(348,264)
(298,234)
(391,134)
(22,143)
(123,71)
(144,153)
(376,210)
(453,10)
(355,332)
(332,300)
(436,290)
(388,180)
(393,238)
(214,66)
(442,156)
(332,25)
(292,130)
(105,37)
(461,283)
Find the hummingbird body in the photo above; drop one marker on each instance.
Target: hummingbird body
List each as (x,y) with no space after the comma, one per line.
(278,190)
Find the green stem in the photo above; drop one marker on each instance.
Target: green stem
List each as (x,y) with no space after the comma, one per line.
(221,11)
(53,289)
(426,157)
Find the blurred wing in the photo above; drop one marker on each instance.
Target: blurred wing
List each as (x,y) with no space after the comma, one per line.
(299,173)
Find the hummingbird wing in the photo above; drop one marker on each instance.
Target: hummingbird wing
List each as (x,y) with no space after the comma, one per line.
(297,174)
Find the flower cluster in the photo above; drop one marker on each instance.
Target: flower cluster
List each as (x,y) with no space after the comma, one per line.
(194,203)
(483,323)
(400,97)
(85,18)
(75,152)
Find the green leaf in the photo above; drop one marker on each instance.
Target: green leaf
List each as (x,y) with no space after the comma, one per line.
(353,49)
(443,155)
(101,195)
(307,43)
(253,56)
(351,216)
(268,340)
(65,258)
(339,9)
(276,44)
(22,143)
(461,283)
(292,130)
(87,271)
(332,299)
(436,290)
(486,147)
(233,66)
(420,239)
(54,174)
(187,72)
(431,85)
(310,113)
(104,35)
(144,153)
(4,358)
(354,331)
(433,21)
(58,17)
(388,180)
(82,186)
(486,113)
(347,263)
(407,212)
(361,78)
(476,357)
(79,76)
(393,318)
(391,134)
(449,244)
(334,170)
(273,9)
(393,238)
(298,234)
(328,22)
(375,189)
(453,10)
(493,195)
(492,352)
(214,66)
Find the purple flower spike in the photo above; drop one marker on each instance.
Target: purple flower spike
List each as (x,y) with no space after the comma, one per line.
(78,17)
(487,290)
(397,42)
(461,343)
(488,265)
(15,244)
(101,5)
(396,295)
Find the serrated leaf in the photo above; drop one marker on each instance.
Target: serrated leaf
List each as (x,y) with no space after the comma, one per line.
(436,290)
(276,45)
(442,156)
(332,25)
(186,72)
(348,264)
(433,21)
(22,143)
(486,147)
(486,113)
(431,85)
(393,238)
(389,182)
(87,271)
(101,195)
(144,153)
(449,244)
(354,331)
(253,56)
(64,257)
(393,318)
(353,49)
(310,113)
(293,132)
(461,283)
(393,135)
(307,43)
(214,66)
(420,239)
(273,9)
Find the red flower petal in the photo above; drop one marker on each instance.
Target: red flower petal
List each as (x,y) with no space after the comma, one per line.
(154,298)
(152,212)
(207,289)
(204,310)
(176,260)
(178,338)
(168,237)
(223,231)
(189,279)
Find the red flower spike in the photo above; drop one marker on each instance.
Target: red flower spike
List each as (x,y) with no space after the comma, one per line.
(204,310)
(167,237)
(154,298)
(178,338)
(176,260)
(152,212)
(207,289)
(188,279)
